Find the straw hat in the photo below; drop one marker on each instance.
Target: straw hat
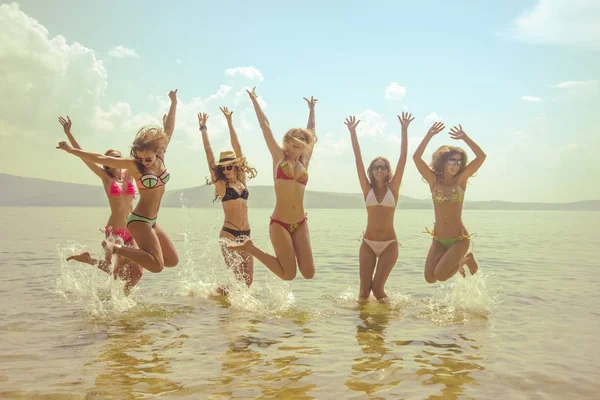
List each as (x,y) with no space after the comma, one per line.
(227,157)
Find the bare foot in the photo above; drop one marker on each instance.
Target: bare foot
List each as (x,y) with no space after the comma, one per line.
(222,291)
(245,246)
(84,258)
(471,263)
(109,248)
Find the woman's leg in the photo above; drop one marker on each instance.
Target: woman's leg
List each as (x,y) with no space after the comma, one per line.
(385,264)
(449,263)
(366,260)
(303,250)
(148,255)
(284,263)
(436,251)
(169,252)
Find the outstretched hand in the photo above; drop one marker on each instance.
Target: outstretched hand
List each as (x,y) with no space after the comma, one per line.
(311,102)
(202,118)
(66,123)
(64,146)
(252,93)
(457,133)
(405,119)
(226,112)
(436,128)
(173,95)
(352,123)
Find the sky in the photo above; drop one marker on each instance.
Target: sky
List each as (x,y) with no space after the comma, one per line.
(521,77)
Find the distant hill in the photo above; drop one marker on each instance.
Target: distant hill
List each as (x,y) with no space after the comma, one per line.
(29,192)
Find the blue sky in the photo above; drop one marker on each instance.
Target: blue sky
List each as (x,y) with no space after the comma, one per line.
(520,76)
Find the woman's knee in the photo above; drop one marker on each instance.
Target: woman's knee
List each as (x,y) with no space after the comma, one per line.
(430,278)
(440,276)
(172,260)
(308,273)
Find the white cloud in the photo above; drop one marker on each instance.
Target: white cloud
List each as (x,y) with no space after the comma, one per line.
(395,92)
(560,22)
(577,85)
(122,52)
(221,93)
(571,90)
(371,123)
(331,146)
(431,119)
(43,76)
(248,73)
(531,99)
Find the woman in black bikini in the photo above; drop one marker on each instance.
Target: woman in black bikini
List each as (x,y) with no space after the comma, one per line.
(146,164)
(229,176)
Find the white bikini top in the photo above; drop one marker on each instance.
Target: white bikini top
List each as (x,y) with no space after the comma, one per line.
(388,199)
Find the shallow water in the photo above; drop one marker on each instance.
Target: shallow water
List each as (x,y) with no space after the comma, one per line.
(525,327)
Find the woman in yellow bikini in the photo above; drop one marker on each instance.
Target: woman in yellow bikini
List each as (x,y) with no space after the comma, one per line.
(380,189)
(447,177)
(288,228)
(146,164)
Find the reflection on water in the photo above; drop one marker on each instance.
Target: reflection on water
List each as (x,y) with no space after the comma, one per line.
(375,370)
(262,359)
(444,370)
(136,361)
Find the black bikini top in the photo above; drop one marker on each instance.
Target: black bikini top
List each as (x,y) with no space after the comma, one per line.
(232,194)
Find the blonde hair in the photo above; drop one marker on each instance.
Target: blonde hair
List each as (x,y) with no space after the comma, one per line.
(305,137)
(242,170)
(108,169)
(372,176)
(148,138)
(442,154)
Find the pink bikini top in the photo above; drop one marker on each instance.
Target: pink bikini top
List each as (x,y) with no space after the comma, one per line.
(116,190)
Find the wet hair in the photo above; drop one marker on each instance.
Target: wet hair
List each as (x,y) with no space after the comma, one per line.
(304,136)
(370,170)
(107,168)
(241,168)
(442,154)
(149,138)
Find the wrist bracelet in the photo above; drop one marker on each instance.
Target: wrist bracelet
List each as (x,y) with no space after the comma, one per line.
(202,127)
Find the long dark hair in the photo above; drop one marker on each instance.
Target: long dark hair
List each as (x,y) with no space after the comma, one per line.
(242,170)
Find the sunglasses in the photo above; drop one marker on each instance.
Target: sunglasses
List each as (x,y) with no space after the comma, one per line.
(453,161)
(380,168)
(148,160)
(227,168)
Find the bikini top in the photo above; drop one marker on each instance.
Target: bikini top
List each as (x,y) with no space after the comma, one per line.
(454,195)
(151,181)
(232,194)
(388,199)
(284,171)
(117,190)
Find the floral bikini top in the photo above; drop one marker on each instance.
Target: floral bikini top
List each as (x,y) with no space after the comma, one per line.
(453,195)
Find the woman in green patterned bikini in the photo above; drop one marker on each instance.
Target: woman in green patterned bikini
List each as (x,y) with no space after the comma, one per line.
(447,177)
(146,164)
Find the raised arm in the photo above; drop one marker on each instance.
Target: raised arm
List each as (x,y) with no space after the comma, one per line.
(235,143)
(311,127)
(95,168)
(422,167)
(113,162)
(274,148)
(169,119)
(457,133)
(405,121)
(351,123)
(210,157)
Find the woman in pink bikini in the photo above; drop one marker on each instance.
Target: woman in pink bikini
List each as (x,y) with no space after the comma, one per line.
(155,250)
(379,248)
(447,178)
(120,191)
(288,228)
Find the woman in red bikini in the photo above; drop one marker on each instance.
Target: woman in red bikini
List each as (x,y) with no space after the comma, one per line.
(229,176)
(447,178)
(120,191)
(376,249)
(288,228)
(155,250)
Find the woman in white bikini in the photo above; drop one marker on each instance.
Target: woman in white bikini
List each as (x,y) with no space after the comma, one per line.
(380,189)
